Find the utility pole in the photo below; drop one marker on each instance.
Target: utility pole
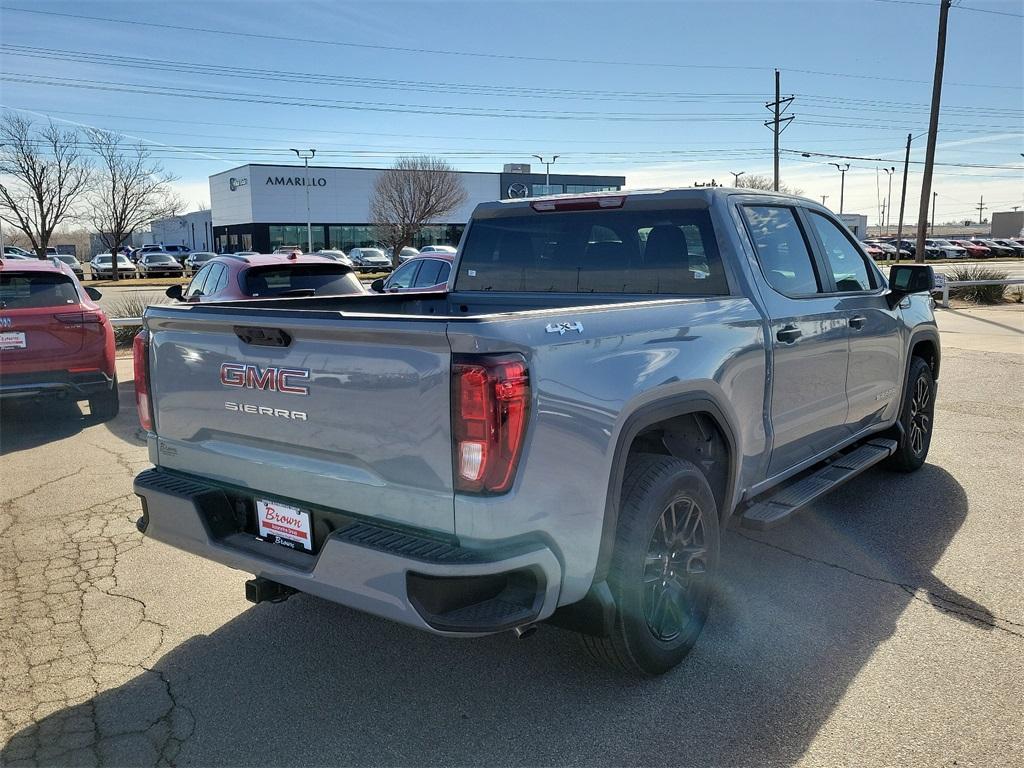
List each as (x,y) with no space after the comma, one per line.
(823,199)
(842,184)
(981,209)
(934,195)
(736,177)
(547,171)
(307,155)
(933,129)
(779,122)
(889,172)
(903,196)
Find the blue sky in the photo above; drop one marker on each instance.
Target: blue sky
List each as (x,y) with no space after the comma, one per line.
(666,93)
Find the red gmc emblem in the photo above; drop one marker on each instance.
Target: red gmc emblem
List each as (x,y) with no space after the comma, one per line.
(269,379)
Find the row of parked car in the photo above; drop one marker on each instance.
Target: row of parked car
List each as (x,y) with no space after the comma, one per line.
(940,248)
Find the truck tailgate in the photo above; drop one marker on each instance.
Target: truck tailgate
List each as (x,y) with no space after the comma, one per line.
(361,424)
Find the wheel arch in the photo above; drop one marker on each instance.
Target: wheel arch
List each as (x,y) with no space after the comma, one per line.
(665,412)
(924,343)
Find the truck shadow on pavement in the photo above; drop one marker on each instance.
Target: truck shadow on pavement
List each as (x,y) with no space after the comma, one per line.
(800,611)
(31,423)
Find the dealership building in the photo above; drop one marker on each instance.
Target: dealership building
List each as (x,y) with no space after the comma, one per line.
(260,207)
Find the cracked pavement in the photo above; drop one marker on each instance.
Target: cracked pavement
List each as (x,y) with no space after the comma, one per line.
(885,625)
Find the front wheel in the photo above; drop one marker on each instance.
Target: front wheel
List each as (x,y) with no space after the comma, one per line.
(917,418)
(663,566)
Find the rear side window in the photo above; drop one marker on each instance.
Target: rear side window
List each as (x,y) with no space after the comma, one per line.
(782,250)
(432,272)
(29,290)
(301,280)
(642,252)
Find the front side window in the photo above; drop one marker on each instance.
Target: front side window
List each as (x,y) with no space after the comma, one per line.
(782,250)
(196,286)
(594,251)
(849,269)
(403,276)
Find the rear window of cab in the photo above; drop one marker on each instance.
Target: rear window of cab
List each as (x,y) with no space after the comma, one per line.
(670,251)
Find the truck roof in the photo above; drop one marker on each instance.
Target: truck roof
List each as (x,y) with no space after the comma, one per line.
(701,194)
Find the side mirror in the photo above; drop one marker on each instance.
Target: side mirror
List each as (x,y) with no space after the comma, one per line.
(92,293)
(377,286)
(905,279)
(174,292)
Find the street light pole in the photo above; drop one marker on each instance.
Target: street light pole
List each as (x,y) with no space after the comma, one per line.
(823,199)
(736,177)
(547,170)
(889,172)
(934,195)
(302,153)
(842,183)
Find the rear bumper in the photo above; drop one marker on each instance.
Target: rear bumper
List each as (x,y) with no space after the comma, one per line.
(406,576)
(54,384)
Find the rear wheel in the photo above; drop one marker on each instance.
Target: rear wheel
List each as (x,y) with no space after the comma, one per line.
(664,563)
(105,406)
(917,418)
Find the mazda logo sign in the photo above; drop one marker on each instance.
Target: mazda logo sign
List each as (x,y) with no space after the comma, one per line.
(518,190)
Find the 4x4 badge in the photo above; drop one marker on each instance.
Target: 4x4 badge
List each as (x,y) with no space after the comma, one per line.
(561,328)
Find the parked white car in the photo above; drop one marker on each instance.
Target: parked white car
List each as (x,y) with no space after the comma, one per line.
(947,249)
(335,254)
(438,249)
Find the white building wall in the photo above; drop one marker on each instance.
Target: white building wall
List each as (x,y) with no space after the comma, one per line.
(230,197)
(276,194)
(192,229)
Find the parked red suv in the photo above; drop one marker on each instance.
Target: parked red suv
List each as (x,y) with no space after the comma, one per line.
(54,340)
(233,277)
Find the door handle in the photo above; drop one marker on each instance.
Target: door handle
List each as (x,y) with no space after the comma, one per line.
(857,321)
(789,334)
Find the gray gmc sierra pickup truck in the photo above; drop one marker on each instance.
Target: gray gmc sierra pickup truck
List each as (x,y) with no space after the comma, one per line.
(562,435)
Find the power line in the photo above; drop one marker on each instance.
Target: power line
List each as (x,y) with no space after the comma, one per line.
(365,106)
(478,54)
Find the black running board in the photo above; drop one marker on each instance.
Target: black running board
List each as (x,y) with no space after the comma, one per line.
(791,499)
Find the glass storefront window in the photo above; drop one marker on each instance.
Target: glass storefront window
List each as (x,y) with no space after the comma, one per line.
(546,189)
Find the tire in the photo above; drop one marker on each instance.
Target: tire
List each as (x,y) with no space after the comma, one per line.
(659,613)
(917,418)
(106,405)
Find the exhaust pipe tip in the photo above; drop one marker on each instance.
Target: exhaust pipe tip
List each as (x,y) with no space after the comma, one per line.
(524,631)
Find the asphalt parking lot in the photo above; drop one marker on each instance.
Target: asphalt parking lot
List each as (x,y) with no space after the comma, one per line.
(885,626)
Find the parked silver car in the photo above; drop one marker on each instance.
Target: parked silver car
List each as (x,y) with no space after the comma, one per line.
(72,262)
(335,254)
(101,267)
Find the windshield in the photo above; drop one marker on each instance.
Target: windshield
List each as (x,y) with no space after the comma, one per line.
(67,259)
(160,258)
(28,290)
(202,256)
(657,251)
(301,279)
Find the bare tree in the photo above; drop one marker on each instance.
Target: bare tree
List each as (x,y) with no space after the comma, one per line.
(758,181)
(415,192)
(42,177)
(131,190)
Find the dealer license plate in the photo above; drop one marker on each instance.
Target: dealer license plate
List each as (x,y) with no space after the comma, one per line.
(12,340)
(285,525)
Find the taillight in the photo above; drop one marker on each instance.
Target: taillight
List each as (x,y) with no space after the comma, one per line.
(80,318)
(143,401)
(490,406)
